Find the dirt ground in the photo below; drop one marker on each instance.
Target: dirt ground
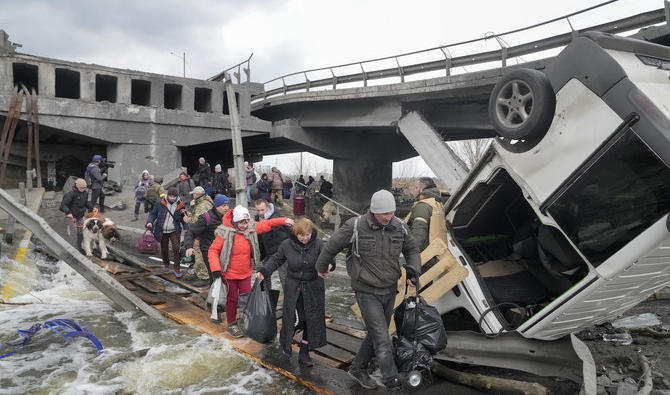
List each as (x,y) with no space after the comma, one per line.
(617,363)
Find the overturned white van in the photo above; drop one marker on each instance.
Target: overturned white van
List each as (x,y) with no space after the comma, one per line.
(562,223)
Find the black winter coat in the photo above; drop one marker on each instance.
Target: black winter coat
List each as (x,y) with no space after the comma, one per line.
(203,230)
(220,183)
(75,203)
(270,241)
(301,278)
(204,174)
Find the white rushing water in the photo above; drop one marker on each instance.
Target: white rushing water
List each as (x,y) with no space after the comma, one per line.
(140,355)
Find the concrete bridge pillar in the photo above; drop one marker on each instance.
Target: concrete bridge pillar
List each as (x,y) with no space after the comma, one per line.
(131,159)
(356,179)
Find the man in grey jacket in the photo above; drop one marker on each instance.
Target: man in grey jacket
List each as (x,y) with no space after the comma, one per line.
(376,239)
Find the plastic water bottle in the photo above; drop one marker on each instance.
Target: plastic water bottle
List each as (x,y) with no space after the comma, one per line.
(620,338)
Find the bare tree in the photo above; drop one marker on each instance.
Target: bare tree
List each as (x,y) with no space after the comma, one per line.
(470,150)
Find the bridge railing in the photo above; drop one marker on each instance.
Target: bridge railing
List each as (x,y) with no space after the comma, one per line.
(446,63)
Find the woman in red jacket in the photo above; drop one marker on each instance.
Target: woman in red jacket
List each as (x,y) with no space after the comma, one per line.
(231,253)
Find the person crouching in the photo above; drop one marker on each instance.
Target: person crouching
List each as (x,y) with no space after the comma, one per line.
(304,290)
(231,253)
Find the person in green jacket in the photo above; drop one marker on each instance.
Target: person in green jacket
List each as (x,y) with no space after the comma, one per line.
(154,194)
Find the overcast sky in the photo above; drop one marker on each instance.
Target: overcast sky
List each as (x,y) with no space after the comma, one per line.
(284,35)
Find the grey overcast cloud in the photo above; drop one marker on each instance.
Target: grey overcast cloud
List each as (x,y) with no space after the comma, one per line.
(284,36)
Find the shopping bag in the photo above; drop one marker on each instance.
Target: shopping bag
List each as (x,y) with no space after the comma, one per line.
(216,297)
(417,320)
(257,320)
(147,244)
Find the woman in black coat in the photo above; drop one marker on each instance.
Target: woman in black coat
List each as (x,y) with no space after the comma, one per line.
(304,290)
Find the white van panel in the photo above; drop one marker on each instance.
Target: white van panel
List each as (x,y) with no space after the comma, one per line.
(567,144)
(654,82)
(607,299)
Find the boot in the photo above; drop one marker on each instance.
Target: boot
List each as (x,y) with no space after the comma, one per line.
(135,218)
(303,356)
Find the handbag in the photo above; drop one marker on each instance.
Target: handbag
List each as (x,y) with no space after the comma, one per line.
(147,244)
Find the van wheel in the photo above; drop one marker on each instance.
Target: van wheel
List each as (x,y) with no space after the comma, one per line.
(521,108)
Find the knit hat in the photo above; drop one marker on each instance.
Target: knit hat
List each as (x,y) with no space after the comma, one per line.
(246,163)
(382,202)
(217,168)
(96,158)
(80,183)
(240,213)
(220,200)
(145,171)
(201,160)
(199,190)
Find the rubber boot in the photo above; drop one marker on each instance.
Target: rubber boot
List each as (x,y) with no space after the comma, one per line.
(303,356)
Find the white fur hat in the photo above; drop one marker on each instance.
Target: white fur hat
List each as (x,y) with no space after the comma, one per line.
(240,213)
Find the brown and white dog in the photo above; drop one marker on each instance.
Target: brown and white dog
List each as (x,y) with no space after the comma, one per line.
(98,230)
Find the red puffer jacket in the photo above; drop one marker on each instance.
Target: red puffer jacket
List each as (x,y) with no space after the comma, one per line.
(240,258)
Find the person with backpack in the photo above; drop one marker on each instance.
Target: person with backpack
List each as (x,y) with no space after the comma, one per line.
(276,183)
(203,228)
(376,240)
(166,221)
(141,187)
(264,187)
(154,193)
(232,252)
(94,180)
(184,187)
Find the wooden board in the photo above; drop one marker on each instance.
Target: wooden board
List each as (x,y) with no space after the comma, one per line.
(343,341)
(336,353)
(149,285)
(113,267)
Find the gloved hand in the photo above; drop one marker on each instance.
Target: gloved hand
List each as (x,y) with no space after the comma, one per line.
(411,276)
(216,275)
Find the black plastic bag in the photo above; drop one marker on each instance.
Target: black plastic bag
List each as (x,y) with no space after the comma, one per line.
(411,355)
(416,319)
(257,319)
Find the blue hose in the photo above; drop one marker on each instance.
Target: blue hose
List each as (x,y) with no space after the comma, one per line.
(63,327)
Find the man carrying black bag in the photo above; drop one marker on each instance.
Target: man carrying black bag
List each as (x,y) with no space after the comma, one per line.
(377,239)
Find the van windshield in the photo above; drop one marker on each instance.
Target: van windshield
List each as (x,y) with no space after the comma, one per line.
(621,194)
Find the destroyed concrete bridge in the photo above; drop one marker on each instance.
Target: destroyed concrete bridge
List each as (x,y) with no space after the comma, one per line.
(147,120)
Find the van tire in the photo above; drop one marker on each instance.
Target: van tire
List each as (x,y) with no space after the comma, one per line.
(521,107)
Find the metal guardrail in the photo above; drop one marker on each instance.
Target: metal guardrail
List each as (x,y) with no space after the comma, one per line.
(237,74)
(448,62)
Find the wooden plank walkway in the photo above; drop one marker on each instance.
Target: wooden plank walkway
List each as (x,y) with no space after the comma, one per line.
(329,372)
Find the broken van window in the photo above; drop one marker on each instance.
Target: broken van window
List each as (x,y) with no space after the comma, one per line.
(623,193)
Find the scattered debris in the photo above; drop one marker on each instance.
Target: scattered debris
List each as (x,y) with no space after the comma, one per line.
(637,321)
(623,338)
(64,327)
(488,383)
